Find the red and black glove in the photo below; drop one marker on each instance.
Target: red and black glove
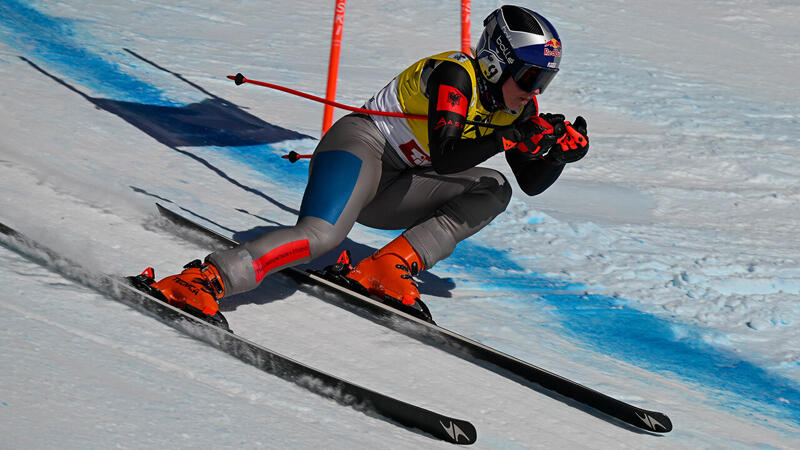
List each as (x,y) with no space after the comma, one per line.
(546,131)
(571,146)
(533,135)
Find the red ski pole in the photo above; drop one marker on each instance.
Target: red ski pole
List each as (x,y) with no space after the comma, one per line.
(240,79)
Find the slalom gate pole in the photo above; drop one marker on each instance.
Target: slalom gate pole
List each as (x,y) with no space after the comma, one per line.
(333,63)
(466,40)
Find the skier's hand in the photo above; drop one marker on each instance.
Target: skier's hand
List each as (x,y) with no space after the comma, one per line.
(520,130)
(571,146)
(543,131)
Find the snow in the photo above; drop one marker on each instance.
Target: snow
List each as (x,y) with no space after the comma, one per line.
(662,269)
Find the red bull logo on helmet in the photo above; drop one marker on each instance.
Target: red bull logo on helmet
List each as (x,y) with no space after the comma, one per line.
(552,48)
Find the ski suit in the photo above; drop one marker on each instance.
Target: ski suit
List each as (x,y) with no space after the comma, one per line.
(397,173)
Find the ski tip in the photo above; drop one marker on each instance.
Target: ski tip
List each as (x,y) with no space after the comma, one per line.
(457,431)
(654,421)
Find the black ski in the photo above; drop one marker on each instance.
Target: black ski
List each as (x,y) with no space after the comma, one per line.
(446,428)
(458,345)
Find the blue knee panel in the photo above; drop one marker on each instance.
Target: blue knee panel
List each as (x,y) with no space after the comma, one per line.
(332,180)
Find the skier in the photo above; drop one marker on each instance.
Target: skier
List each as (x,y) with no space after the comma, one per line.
(420,176)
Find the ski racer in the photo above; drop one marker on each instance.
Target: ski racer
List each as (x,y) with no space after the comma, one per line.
(419,176)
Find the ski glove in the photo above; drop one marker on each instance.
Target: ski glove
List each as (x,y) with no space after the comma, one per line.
(571,146)
(532,135)
(549,129)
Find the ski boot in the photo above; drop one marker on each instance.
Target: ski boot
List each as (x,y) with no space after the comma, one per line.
(386,275)
(196,290)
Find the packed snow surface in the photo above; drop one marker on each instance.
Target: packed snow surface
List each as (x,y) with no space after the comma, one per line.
(662,269)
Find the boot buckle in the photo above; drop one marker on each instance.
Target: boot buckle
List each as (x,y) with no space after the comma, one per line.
(213,280)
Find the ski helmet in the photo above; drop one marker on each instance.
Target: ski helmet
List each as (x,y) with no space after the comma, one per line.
(519,43)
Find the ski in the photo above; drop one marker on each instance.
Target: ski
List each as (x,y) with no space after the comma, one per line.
(443,427)
(456,344)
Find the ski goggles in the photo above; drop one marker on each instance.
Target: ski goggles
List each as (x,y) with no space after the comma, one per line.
(530,78)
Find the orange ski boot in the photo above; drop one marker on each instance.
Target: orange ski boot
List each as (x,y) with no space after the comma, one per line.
(387,274)
(197,290)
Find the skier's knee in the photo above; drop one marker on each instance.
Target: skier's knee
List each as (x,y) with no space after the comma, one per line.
(498,186)
(322,237)
(504,192)
(325,242)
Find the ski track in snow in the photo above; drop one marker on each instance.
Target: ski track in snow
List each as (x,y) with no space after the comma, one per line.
(671,248)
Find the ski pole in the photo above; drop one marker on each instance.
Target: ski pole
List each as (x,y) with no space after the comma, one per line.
(293,156)
(241,79)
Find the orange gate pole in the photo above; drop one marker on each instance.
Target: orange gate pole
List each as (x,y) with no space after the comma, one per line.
(466,11)
(333,63)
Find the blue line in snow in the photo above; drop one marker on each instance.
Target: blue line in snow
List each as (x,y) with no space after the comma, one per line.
(605,323)
(265,159)
(55,40)
(609,326)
